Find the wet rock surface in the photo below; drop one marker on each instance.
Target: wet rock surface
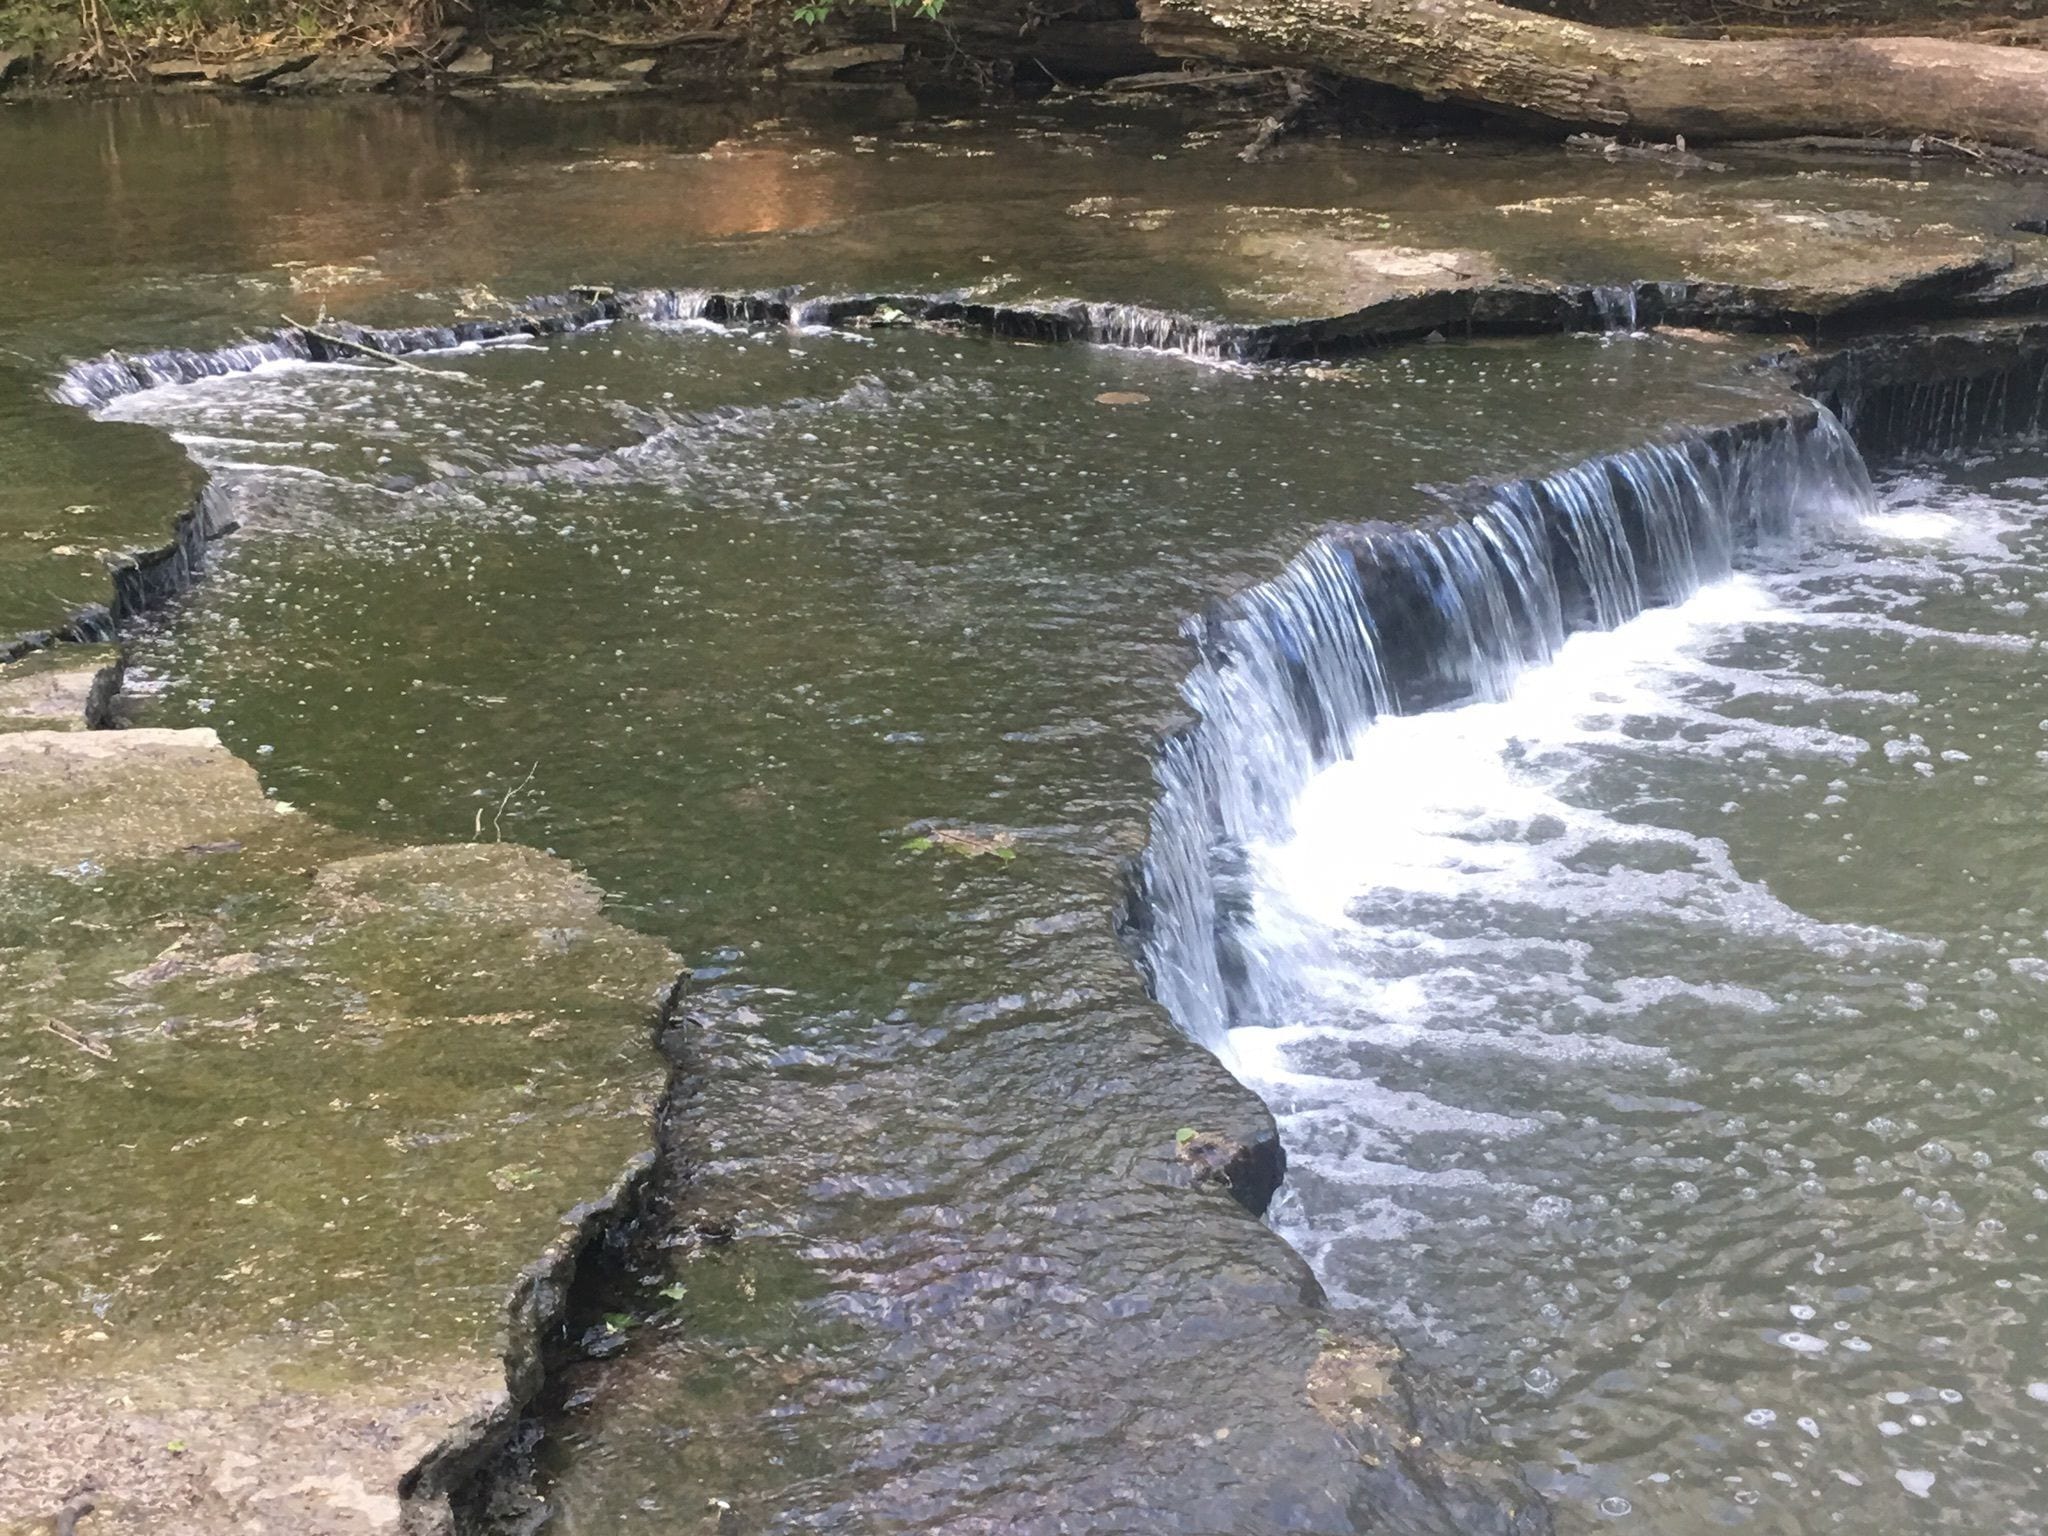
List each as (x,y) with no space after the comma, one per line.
(272,909)
(68,688)
(289,1117)
(77,498)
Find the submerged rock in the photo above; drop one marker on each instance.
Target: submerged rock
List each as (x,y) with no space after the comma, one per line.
(66,688)
(292,1122)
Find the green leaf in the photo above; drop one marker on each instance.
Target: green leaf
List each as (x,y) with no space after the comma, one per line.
(674,1292)
(1184,1135)
(618,1322)
(919,845)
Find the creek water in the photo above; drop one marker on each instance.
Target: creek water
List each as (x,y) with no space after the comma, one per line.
(1676,999)
(1651,1038)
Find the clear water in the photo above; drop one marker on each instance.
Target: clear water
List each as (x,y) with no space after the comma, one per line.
(1663,1052)
(738,620)
(739,662)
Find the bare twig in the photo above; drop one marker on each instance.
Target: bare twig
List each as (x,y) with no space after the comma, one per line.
(1172,79)
(85,1043)
(497,831)
(335,339)
(1675,154)
(1956,149)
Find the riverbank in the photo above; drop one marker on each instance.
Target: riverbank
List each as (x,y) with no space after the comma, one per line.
(711,48)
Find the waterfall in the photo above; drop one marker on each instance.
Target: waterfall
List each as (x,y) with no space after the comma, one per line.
(1136,325)
(1616,306)
(98,381)
(1376,619)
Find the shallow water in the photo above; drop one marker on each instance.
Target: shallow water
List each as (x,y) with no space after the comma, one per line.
(743,621)
(1662,1048)
(741,665)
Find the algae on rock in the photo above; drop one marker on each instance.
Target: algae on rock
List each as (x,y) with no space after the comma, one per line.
(284,1119)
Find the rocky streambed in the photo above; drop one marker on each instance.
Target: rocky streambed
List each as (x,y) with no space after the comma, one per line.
(300,1097)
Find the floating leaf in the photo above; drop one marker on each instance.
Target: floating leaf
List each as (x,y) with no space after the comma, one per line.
(673,1292)
(1184,1135)
(618,1322)
(1122,397)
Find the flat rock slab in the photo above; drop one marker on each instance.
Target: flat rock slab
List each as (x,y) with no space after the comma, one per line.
(1325,232)
(64,688)
(284,1119)
(73,493)
(1762,260)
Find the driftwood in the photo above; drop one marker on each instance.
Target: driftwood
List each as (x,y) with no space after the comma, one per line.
(1539,68)
(653,44)
(1675,155)
(1300,102)
(1174,79)
(335,339)
(1994,155)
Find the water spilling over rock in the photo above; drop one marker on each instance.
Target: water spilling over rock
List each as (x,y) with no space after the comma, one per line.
(1373,620)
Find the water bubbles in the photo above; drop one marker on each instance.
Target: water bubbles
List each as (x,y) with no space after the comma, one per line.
(1803,1343)
(1614,1506)
(1760,1418)
(1919,1484)
(1540,1380)
(1942,1210)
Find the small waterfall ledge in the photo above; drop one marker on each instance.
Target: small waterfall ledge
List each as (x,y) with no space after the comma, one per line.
(1508,308)
(1374,620)
(1305,660)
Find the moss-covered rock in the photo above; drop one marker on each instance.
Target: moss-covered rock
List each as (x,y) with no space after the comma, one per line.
(284,1120)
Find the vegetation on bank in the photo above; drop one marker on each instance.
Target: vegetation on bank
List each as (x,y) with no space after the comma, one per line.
(83,39)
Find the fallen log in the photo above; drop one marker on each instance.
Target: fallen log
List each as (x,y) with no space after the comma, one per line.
(1537,67)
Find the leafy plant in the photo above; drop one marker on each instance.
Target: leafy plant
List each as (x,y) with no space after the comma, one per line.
(811,12)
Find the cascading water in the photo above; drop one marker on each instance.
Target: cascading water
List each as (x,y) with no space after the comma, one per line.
(1373,620)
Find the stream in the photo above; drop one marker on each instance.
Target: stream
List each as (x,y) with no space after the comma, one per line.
(1652,1035)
